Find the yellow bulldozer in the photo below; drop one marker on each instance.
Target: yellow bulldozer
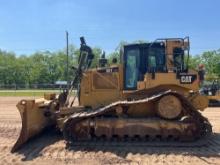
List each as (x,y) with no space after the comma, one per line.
(150,93)
(212,91)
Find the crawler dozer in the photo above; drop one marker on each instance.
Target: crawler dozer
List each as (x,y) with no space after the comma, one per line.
(150,93)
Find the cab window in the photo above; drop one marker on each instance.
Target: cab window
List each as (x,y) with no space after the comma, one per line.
(156,59)
(131,68)
(178,54)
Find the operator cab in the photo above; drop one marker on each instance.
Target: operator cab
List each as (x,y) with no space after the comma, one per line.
(161,56)
(140,59)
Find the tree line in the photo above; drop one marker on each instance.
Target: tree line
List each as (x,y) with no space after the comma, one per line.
(41,67)
(48,67)
(211,61)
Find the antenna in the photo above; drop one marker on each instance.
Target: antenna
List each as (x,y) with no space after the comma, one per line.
(67,59)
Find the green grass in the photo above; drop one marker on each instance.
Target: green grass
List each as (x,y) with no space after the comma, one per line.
(26,92)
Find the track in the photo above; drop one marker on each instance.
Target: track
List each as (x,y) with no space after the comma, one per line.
(85,125)
(49,148)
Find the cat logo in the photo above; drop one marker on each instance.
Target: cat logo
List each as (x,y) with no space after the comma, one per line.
(187,79)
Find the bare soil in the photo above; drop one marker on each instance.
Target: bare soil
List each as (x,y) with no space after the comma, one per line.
(49,148)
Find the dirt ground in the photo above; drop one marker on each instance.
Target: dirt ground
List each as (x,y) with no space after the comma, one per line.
(49,148)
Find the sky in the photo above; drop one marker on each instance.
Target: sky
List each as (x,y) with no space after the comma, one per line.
(27,26)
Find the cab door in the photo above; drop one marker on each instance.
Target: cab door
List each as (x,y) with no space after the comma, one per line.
(131,71)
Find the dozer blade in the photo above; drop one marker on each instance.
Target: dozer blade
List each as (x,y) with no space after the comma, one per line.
(33,118)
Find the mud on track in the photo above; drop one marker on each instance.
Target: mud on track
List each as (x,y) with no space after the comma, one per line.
(49,147)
